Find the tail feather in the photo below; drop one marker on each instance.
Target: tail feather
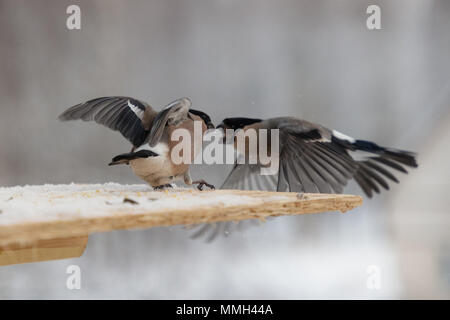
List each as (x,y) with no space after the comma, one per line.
(372,172)
(125,158)
(404,157)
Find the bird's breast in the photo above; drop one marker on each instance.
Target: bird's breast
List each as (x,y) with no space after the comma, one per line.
(155,170)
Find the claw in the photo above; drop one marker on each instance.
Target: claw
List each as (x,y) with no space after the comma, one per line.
(202,183)
(163,186)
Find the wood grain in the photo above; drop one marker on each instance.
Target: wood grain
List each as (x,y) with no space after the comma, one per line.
(27,234)
(43,250)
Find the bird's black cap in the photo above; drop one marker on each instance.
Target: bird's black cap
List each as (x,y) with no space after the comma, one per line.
(204,116)
(237,123)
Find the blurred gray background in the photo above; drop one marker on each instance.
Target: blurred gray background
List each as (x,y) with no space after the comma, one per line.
(312,59)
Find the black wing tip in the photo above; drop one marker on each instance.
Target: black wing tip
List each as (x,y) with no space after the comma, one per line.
(414,163)
(404,157)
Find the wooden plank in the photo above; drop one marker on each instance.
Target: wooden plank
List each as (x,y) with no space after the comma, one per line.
(268,204)
(39,223)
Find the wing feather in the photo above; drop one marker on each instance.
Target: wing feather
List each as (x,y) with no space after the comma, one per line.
(312,159)
(174,113)
(123,114)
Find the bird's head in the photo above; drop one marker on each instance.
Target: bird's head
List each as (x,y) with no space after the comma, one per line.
(234,124)
(206,119)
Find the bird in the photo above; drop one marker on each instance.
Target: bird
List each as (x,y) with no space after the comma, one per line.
(149,132)
(312,159)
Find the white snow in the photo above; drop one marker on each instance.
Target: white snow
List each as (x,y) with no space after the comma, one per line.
(49,202)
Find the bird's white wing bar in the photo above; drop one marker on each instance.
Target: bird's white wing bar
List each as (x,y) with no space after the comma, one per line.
(137,111)
(342,136)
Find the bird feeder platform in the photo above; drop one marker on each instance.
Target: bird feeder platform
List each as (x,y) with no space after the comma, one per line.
(51,222)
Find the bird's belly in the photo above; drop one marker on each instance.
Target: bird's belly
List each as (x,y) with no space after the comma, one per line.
(154,170)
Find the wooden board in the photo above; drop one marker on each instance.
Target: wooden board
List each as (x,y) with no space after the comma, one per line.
(43,250)
(64,236)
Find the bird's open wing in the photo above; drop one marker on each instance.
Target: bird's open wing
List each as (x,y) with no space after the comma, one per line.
(315,159)
(173,114)
(121,114)
(308,162)
(248,177)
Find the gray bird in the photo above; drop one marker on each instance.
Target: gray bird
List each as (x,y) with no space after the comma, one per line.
(312,158)
(148,131)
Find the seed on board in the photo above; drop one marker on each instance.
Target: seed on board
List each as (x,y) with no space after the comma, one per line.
(302,196)
(128,200)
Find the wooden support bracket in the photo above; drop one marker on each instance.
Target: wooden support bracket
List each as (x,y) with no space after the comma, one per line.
(43,250)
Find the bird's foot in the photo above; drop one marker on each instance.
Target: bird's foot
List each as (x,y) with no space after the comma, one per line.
(201,183)
(162,187)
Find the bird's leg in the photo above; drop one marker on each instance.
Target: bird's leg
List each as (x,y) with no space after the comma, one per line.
(200,183)
(163,186)
(187,178)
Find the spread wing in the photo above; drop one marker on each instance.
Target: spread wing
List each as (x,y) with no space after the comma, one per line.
(173,114)
(315,159)
(308,162)
(121,114)
(248,177)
